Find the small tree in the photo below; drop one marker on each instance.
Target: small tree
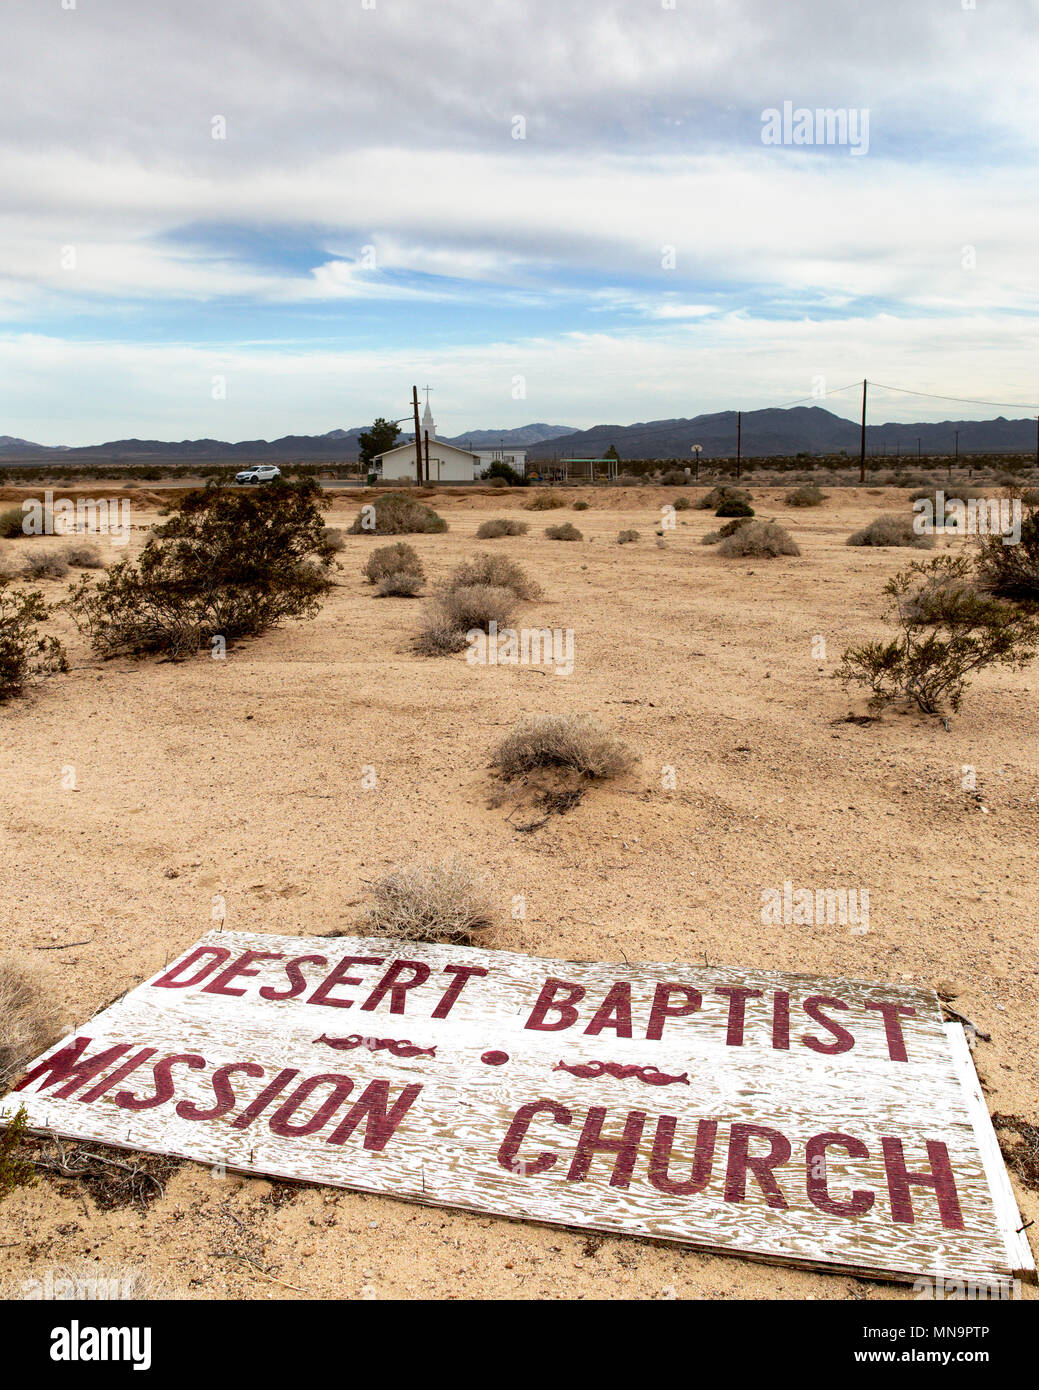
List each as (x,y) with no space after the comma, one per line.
(500,469)
(947,631)
(23,652)
(226,564)
(371,443)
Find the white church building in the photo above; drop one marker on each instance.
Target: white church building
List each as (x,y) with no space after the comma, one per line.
(447,463)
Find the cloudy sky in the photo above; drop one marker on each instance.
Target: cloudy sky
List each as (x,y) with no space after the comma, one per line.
(249,218)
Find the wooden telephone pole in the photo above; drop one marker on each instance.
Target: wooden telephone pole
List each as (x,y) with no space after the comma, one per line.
(739,440)
(426,434)
(862,439)
(418,436)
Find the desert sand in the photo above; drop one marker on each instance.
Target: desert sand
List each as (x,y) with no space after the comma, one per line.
(243,778)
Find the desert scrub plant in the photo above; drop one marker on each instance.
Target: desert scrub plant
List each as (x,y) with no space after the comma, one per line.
(626,537)
(225,564)
(491,530)
(567,532)
(681,504)
(544,502)
(498,571)
(470,606)
(83,555)
(734,506)
(761,539)
(710,501)
(890,531)
(399,558)
(16,1168)
(807,496)
(395,514)
(948,630)
(560,740)
(331,541)
(24,653)
(11,522)
(29,1021)
(400,584)
(438,635)
(1012,571)
(44,564)
(580,506)
(675,477)
(445,901)
(730,528)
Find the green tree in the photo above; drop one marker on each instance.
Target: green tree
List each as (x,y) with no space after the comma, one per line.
(382,436)
(611,453)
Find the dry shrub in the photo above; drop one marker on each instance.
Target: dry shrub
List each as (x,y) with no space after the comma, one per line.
(730,527)
(477,605)
(438,636)
(11,522)
(24,653)
(491,530)
(544,502)
(29,1021)
(681,504)
(675,477)
(82,555)
(444,901)
(1012,571)
(496,570)
(400,584)
(807,496)
(396,515)
(44,564)
(1030,496)
(758,539)
(946,630)
(331,541)
(710,501)
(890,531)
(580,506)
(560,740)
(626,537)
(400,558)
(567,532)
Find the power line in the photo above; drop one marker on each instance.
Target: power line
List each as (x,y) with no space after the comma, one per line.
(963,400)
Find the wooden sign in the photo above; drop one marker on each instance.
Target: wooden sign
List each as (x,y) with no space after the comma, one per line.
(824,1122)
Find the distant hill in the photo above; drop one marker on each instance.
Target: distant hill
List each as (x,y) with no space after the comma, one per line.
(800,429)
(335,446)
(519,438)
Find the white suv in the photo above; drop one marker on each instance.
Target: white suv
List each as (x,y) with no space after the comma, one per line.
(258,473)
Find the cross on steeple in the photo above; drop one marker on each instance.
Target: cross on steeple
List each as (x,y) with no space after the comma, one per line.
(427,390)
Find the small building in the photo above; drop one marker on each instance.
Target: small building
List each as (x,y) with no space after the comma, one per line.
(447,463)
(516,459)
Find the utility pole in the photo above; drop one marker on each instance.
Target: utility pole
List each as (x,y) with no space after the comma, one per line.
(739,440)
(418,437)
(862,438)
(426,433)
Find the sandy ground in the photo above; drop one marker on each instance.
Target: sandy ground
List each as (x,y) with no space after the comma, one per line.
(243,778)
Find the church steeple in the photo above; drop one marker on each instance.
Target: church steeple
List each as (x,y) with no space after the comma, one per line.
(428,423)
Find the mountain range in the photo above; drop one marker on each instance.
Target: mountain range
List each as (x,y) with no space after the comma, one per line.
(796,430)
(335,445)
(799,429)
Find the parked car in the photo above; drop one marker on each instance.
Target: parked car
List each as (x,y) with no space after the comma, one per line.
(258,473)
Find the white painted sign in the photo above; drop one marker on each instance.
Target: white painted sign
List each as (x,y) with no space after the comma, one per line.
(824,1122)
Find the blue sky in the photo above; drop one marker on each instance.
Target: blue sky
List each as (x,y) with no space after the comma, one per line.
(561,213)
